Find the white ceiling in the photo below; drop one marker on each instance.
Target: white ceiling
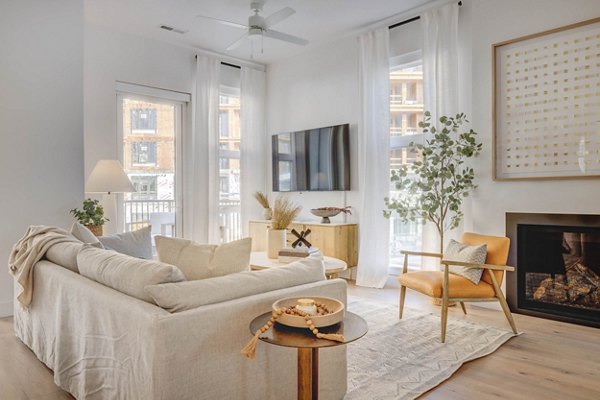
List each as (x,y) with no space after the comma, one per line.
(318,21)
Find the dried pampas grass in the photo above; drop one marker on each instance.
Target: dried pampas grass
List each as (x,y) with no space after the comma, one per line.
(284,212)
(262,199)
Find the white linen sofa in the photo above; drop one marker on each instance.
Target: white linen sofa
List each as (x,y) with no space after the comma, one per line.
(104,344)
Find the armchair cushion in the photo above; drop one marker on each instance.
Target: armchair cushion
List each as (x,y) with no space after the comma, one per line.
(472,254)
(431,282)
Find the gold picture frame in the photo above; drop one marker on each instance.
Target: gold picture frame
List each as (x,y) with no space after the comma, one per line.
(546,104)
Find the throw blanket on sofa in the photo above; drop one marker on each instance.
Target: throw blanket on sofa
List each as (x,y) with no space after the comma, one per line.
(28,251)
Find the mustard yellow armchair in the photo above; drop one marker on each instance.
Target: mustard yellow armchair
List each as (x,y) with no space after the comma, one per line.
(454,288)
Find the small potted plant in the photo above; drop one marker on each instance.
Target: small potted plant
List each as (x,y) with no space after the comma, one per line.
(92,216)
(263,200)
(284,212)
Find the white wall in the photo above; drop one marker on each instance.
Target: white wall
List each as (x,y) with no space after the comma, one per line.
(113,56)
(317,88)
(41,114)
(495,21)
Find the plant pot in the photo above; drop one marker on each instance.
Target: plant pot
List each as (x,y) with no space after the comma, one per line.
(275,242)
(267,214)
(95,229)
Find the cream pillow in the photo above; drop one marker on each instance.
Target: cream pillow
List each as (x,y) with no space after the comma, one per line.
(472,254)
(85,235)
(124,273)
(201,261)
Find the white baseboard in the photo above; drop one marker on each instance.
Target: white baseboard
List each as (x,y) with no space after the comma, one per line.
(6,309)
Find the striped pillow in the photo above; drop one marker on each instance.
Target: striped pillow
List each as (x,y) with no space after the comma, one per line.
(472,254)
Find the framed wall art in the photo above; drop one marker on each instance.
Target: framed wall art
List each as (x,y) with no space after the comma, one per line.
(547,104)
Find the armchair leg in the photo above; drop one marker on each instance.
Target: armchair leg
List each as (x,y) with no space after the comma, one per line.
(462,305)
(444,317)
(503,303)
(402,296)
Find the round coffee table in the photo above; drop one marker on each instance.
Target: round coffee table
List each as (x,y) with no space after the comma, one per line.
(259,260)
(353,327)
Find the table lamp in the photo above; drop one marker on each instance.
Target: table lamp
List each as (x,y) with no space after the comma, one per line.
(108,177)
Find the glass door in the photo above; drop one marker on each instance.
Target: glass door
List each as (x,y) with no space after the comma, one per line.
(150,133)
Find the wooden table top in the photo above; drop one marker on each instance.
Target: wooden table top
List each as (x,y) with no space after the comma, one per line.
(353,327)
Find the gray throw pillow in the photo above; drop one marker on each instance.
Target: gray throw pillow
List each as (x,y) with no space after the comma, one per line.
(85,235)
(472,254)
(135,243)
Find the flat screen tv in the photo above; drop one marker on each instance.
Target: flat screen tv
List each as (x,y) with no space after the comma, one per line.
(312,160)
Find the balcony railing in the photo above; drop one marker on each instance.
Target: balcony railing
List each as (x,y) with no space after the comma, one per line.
(141,213)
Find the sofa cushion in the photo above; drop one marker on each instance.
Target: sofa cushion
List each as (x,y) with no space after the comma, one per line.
(65,254)
(201,261)
(85,235)
(135,243)
(124,273)
(175,297)
(472,254)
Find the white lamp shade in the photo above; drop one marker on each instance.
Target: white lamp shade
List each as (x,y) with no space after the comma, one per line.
(108,176)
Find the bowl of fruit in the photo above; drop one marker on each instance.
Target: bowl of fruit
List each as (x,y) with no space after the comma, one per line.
(326,212)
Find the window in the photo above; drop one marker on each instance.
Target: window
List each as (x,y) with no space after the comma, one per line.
(145,187)
(229,164)
(151,161)
(406,111)
(143,153)
(143,120)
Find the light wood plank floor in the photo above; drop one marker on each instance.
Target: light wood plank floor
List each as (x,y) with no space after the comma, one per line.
(551,360)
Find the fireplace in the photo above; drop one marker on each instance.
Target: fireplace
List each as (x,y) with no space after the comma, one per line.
(558,266)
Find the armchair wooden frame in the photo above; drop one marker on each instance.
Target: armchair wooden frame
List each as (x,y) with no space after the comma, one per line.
(499,296)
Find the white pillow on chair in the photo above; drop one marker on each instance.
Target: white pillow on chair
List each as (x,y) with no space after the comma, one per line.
(472,254)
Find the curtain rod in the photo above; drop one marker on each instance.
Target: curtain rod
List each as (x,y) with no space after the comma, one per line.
(225,63)
(411,20)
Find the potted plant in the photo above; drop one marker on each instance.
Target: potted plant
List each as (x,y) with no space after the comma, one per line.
(433,188)
(92,216)
(263,200)
(284,212)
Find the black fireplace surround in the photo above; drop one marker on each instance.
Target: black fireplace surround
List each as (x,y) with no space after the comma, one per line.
(558,266)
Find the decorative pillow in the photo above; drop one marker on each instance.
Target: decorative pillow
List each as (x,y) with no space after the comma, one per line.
(181,296)
(201,261)
(85,235)
(472,254)
(126,274)
(135,243)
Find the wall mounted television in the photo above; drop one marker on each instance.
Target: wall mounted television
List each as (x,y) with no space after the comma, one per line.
(312,160)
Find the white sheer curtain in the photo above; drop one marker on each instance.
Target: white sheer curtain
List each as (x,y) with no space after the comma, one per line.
(373,156)
(201,199)
(440,83)
(254,143)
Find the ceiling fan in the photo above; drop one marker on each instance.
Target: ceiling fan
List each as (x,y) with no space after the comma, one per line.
(259,26)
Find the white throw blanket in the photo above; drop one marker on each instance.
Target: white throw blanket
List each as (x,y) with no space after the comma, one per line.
(28,251)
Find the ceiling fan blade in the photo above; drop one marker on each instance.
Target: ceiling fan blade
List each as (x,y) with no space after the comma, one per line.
(285,37)
(238,42)
(278,16)
(224,22)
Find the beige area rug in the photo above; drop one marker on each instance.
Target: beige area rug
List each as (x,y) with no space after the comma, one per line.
(402,359)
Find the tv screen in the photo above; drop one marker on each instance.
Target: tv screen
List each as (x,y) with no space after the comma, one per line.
(312,160)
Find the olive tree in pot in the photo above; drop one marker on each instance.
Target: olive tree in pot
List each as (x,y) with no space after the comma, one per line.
(433,188)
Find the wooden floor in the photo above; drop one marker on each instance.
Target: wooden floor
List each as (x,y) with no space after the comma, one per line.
(550,360)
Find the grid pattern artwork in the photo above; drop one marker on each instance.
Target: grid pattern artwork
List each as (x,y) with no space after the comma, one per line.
(547,104)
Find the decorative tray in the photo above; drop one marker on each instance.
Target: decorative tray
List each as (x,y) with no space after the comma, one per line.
(335,306)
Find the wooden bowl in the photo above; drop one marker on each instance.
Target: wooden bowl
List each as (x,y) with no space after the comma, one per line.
(318,320)
(325,214)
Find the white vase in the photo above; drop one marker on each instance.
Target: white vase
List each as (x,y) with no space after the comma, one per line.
(267,214)
(275,242)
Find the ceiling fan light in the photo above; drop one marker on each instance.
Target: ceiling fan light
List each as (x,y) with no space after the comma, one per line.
(255,33)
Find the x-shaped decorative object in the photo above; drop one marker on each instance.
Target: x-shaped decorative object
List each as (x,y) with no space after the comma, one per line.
(301,238)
